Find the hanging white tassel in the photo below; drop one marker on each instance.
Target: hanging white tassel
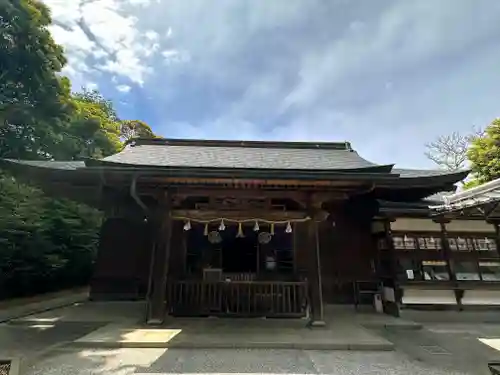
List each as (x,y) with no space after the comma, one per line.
(205,231)
(288,228)
(240,231)
(272,228)
(256,226)
(222,226)
(187,226)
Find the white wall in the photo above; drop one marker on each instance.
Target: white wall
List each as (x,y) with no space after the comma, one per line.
(411,225)
(478,226)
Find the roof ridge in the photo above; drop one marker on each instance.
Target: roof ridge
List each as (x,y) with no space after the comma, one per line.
(341,146)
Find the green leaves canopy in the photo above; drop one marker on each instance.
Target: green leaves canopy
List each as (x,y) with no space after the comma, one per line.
(93,129)
(484,153)
(34,99)
(135,129)
(45,243)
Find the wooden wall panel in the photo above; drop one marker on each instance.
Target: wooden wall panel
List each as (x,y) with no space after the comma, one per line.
(301,249)
(347,250)
(118,265)
(177,251)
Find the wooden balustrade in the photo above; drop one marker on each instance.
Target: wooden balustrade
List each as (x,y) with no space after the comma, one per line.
(238,298)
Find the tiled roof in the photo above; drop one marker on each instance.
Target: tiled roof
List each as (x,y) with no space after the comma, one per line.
(476,197)
(252,155)
(415,173)
(241,157)
(437,198)
(59,165)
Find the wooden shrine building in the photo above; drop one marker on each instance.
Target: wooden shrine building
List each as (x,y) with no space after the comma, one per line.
(276,229)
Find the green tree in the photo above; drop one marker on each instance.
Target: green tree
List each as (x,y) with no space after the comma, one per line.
(45,244)
(93,129)
(135,129)
(34,99)
(484,153)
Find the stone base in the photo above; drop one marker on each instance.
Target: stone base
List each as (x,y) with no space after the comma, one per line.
(154,322)
(202,333)
(317,323)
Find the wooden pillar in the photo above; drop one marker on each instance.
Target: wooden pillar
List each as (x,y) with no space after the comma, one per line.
(448,255)
(314,264)
(497,235)
(162,222)
(391,307)
(446,249)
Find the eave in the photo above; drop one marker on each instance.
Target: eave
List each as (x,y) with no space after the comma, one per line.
(373,172)
(482,200)
(440,180)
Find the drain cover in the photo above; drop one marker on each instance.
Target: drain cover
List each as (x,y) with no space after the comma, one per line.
(9,366)
(4,367)
(435,349)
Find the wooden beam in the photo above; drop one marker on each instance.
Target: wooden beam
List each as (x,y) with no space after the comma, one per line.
(245,193)
(239,215)
(256,183)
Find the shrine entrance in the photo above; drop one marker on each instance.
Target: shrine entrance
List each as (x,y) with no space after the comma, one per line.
(240,254)
(239,269)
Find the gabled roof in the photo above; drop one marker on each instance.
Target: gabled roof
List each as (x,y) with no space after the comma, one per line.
(246,160)
(242,155)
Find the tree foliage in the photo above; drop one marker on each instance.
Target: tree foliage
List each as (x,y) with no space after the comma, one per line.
(484,153)
(450,151)
(34,99)
(93,130)
(46,243)
(135,129)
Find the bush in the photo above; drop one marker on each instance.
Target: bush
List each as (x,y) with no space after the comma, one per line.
(45,244)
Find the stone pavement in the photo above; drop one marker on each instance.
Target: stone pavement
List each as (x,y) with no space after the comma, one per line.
(344,330)
(12,309)
(59,342)
(237,333)
(31,336)
(127,361)
(449,346)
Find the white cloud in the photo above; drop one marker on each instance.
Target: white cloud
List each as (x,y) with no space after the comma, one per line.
(373,72)
(92,86)
(175,56)
(123,88)
(103,36)
(406,35)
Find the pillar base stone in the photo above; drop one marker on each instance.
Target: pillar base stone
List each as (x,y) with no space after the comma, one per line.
(317,323)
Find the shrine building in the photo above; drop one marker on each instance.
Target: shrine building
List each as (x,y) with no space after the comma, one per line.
(272,229)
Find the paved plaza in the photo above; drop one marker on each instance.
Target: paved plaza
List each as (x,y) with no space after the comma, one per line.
(128,361)
(107,338)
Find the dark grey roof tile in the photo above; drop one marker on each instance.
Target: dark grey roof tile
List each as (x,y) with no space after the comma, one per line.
(240,157)
(415,173)
(61,165)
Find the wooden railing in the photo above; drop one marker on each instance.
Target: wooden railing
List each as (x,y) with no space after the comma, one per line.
(238,298)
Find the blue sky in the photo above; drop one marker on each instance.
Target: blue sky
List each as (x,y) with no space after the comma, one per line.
(387,75)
